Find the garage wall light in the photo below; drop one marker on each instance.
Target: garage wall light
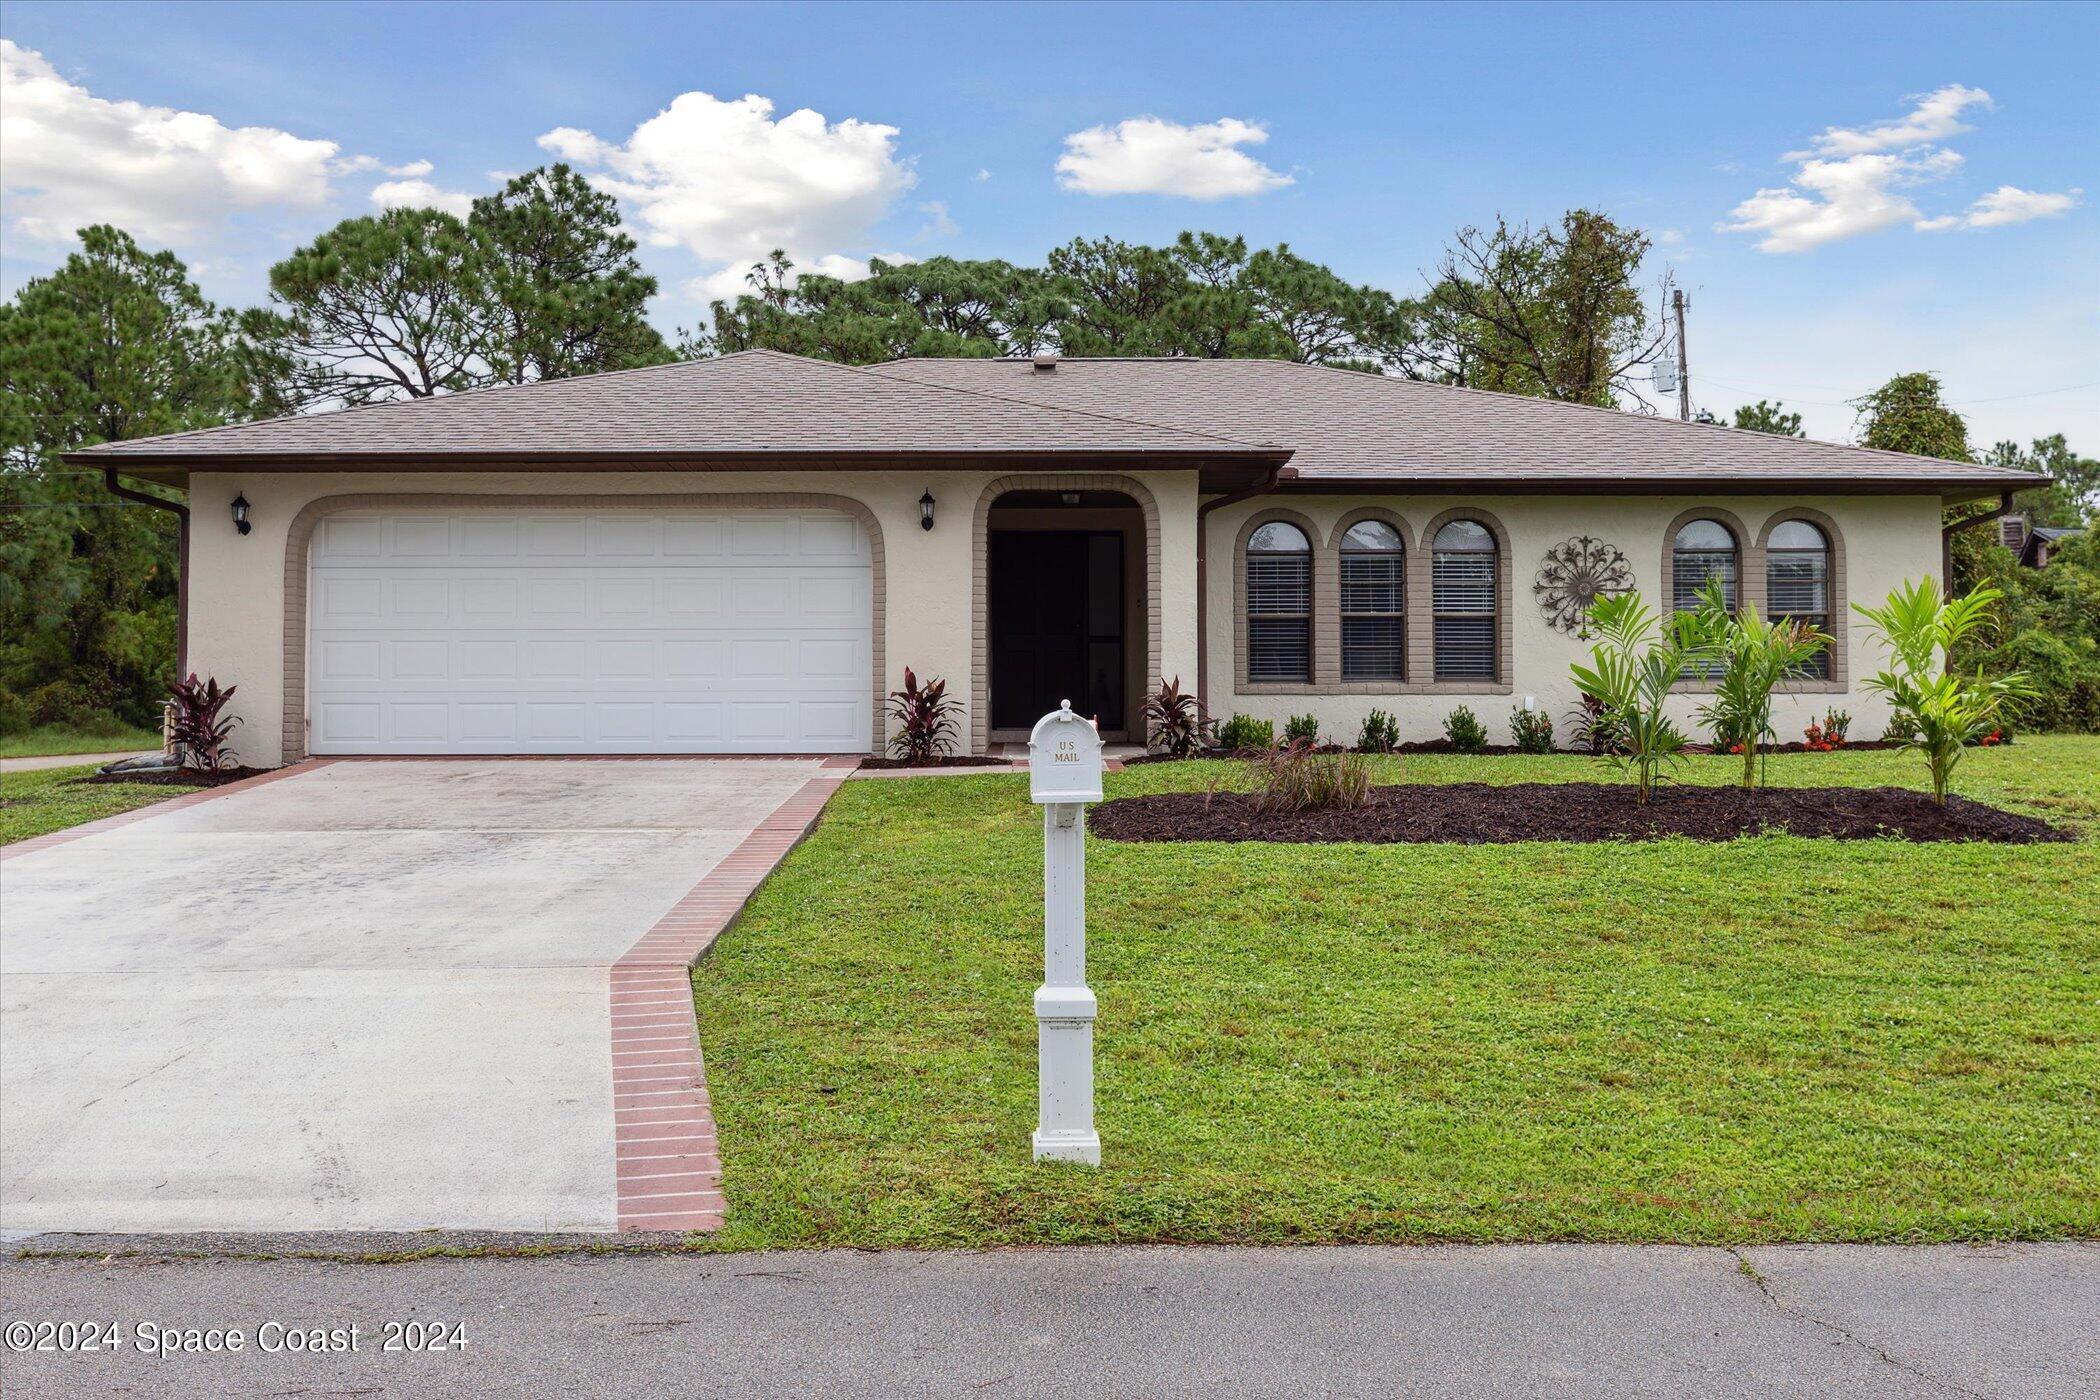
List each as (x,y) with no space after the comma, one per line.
(926,511)
(240,514)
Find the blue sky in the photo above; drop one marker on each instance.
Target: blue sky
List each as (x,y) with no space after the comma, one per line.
(1362,136)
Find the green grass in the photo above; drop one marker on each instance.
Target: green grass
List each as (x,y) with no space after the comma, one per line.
(1769,1039)
(63,739)
(51,799)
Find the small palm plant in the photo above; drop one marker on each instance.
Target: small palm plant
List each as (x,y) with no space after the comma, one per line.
(1938,711)
(1175,722)
(1634,663)
(1757,655)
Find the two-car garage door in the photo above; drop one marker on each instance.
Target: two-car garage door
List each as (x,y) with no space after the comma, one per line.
(486,631)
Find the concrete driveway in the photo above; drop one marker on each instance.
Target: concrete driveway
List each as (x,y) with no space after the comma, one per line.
(370,995)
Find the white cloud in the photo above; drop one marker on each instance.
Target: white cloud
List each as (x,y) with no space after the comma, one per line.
(939,222)
(728,283)
(421,194)
(1850,181)
(728,182)
(2008,204)
(983,174)
(69,158)
(414,170)
(1145,155)
(1934,117)
(1835,199)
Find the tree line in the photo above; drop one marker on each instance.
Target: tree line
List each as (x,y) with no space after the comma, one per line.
(539,281)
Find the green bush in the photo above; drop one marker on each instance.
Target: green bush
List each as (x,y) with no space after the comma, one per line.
(1531,730)
(2047,626)
(1465,731)
(1380,733)
(1301,729)
(1246,732)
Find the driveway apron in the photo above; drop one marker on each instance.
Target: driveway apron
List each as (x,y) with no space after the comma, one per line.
(372,995)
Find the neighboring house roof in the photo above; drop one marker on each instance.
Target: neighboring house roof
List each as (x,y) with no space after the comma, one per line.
(758,404)
(2053,533)
(1346,428)
(1236,419)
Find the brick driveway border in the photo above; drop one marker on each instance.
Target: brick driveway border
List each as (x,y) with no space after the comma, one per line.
(668,1163)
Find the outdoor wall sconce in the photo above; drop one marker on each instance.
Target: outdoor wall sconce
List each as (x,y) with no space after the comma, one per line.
(926,511)
(240,514)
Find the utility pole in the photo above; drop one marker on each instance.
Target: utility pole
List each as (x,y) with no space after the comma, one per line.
(1684,374)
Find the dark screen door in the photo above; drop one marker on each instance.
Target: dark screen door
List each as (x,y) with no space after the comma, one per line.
(1056,614)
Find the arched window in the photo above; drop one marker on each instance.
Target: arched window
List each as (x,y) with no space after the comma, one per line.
(1374,590)
(1797,582)
(1703,549)
(1279,604)
(1462,599)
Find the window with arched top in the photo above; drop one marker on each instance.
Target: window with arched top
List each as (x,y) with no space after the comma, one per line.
(1797,582)
(1279,603)
(1462,601)
(1373,602)
(1704,549)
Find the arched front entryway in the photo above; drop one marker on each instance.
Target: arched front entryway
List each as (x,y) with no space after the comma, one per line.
(1066,604)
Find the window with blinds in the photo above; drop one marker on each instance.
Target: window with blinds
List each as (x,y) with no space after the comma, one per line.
(1279,604)
(1703,549)
(1462,601)
(1797,583)
(1374,592)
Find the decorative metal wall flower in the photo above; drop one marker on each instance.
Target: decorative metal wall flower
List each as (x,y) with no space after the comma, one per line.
(1576,573)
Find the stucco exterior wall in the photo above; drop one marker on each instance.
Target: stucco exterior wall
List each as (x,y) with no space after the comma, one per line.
(1882,540)
(237,583)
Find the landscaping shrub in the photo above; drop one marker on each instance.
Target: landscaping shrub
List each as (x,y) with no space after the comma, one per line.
(1943,709)
(198,731)
(1531,730)
(1756,656)
(1465,731)
(925,718)
(1246,732)
(1175,723)
(1380,733)
(1594,729)
(1634,665)
(1293,778)
(1301,729)
(1827,734)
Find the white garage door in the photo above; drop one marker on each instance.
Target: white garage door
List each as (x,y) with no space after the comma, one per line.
(608,632)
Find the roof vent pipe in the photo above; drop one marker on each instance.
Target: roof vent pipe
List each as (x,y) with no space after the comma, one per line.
(1045,361)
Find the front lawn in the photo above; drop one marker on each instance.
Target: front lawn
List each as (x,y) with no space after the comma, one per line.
(1766,1039)
(50,799)
(65,739)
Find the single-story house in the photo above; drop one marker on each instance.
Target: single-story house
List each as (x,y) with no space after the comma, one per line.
(742,555)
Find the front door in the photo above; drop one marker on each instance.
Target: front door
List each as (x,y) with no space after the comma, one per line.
(1056,615)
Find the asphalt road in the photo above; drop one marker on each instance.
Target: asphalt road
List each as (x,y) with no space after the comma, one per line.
(1554,1320)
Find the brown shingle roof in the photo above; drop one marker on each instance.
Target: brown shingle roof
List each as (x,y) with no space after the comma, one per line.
(758,403)
(1344,426)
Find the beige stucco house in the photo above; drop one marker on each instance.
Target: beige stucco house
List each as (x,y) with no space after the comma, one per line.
(744,554)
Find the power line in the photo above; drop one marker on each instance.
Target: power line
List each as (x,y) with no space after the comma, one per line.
(1848,403)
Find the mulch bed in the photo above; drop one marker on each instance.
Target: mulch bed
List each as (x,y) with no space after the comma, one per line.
(946,761)
(178,777)
(1500,750)
(1476,813)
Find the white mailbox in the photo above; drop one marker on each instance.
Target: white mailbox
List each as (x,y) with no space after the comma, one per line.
(1064,758)
(1064,772)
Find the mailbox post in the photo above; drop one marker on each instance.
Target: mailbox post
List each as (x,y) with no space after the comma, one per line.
(1064,773)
